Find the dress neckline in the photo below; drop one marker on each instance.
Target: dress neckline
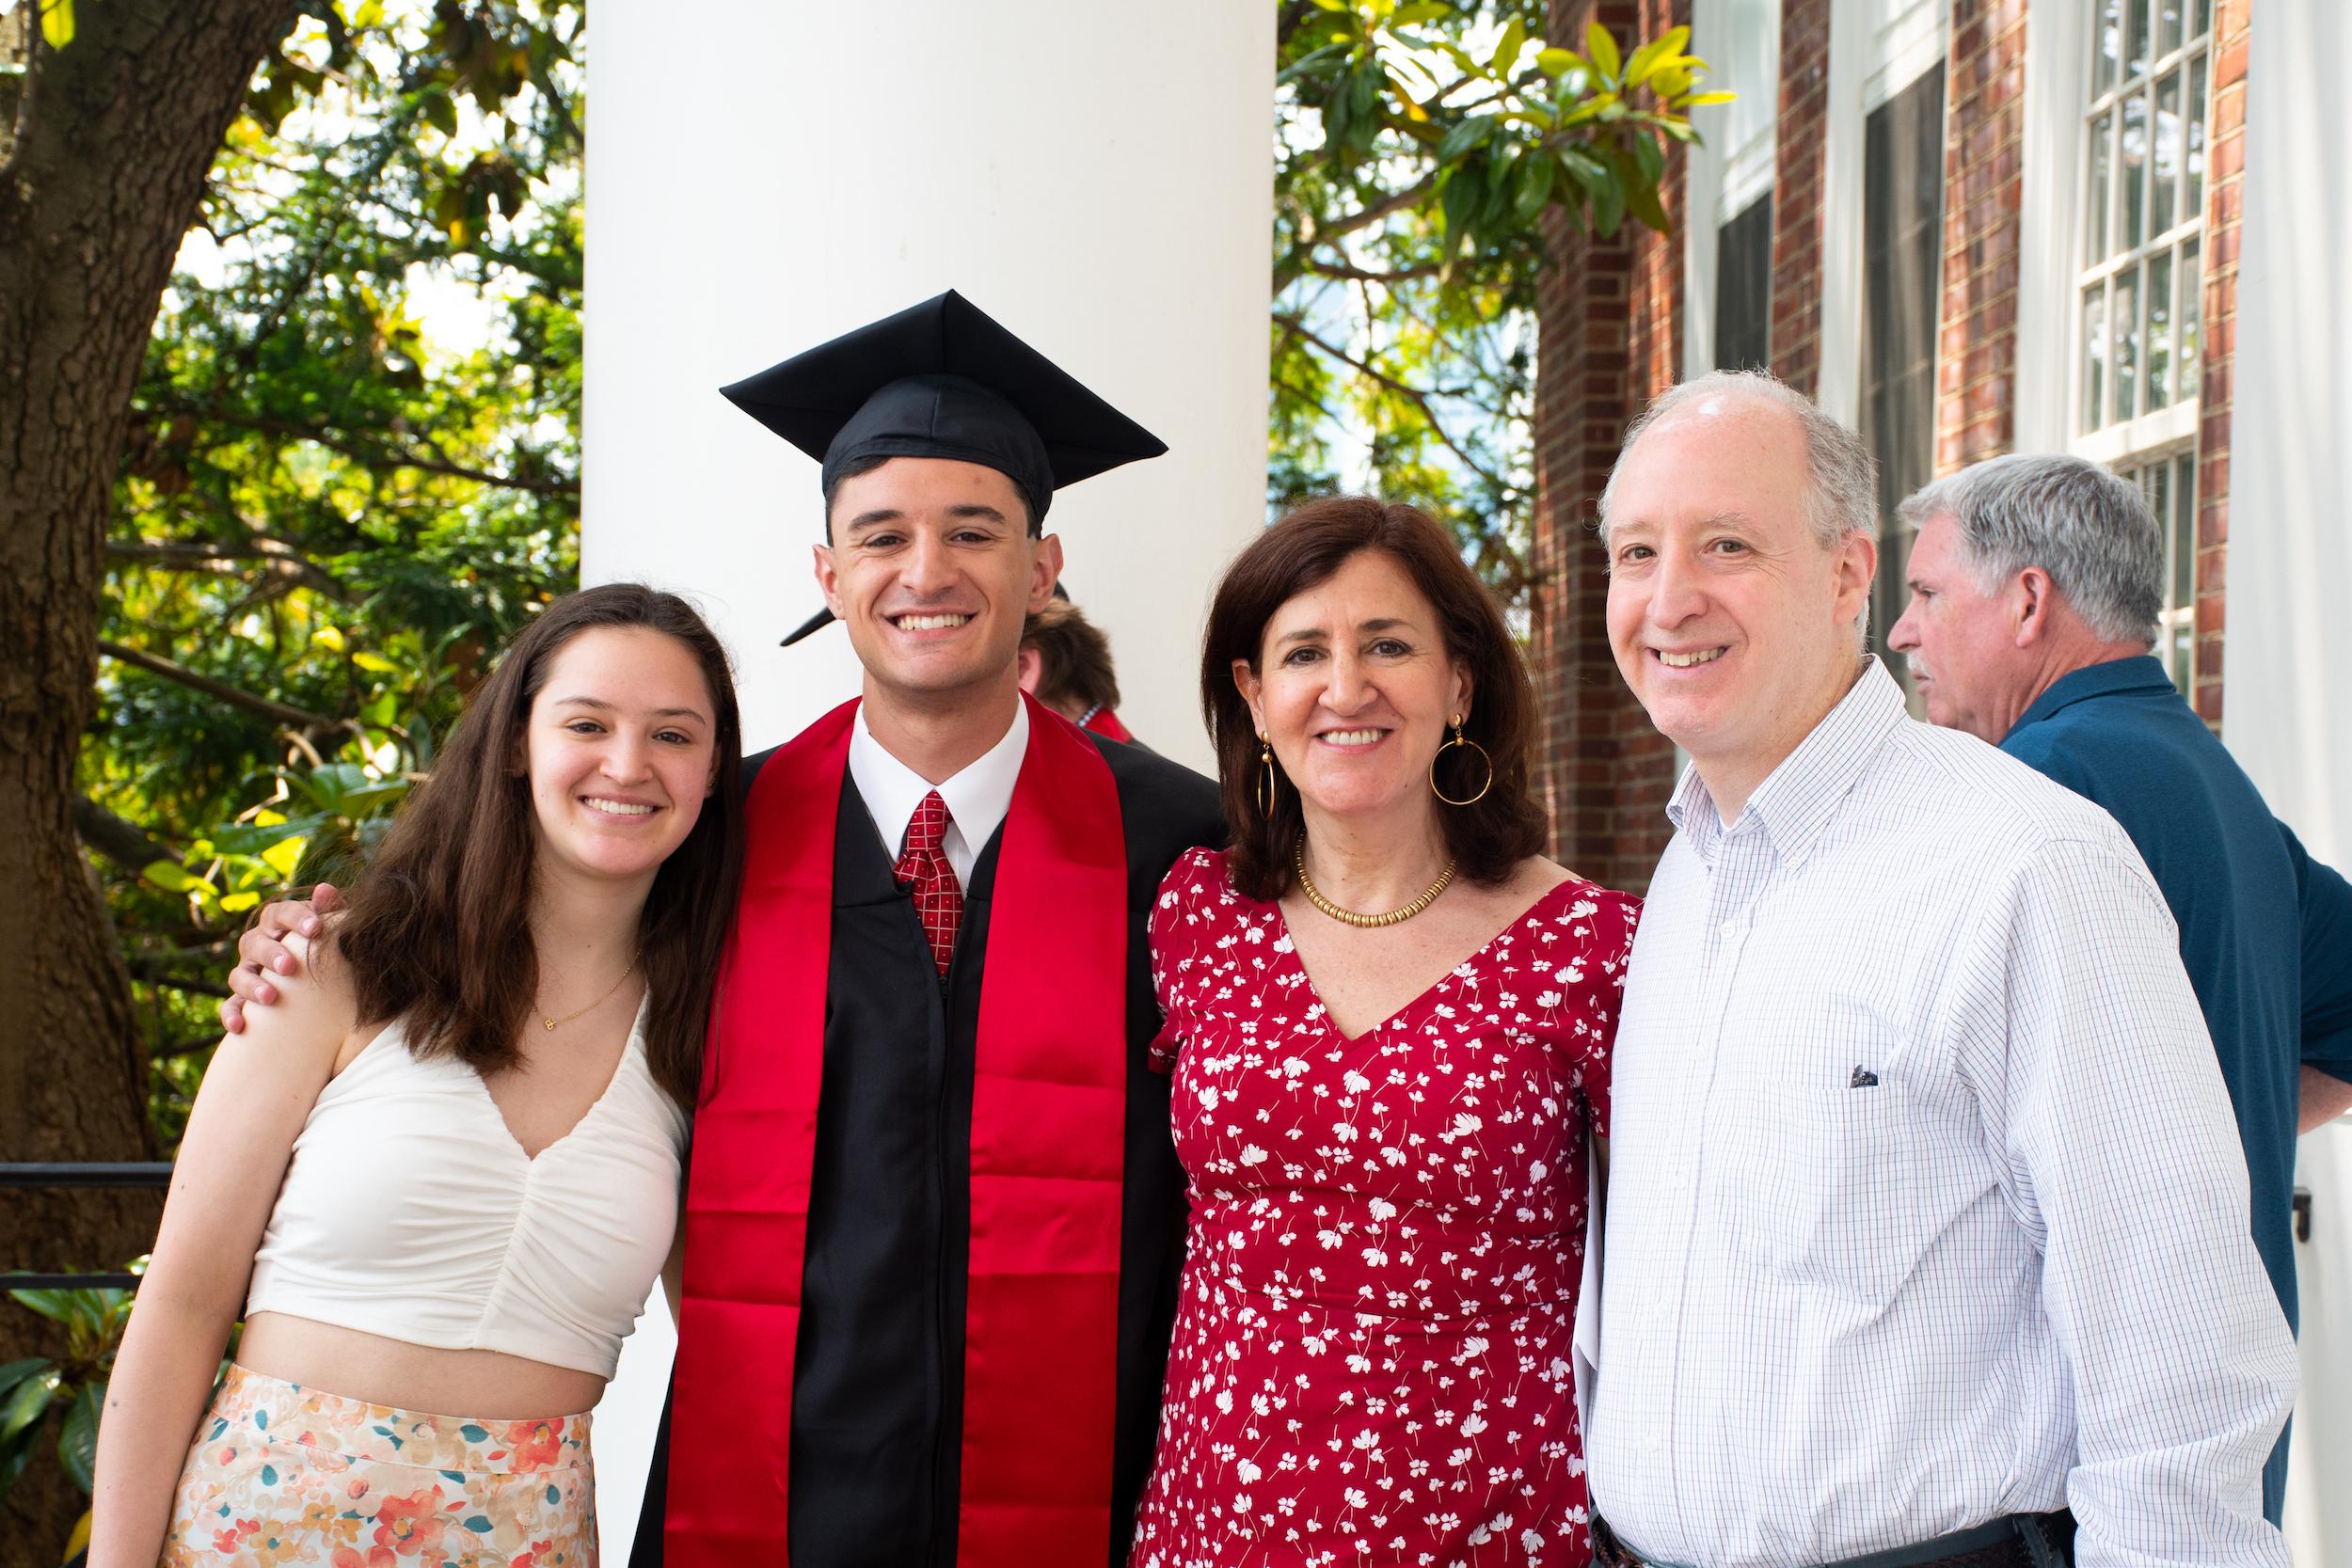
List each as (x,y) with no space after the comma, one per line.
(1413,1003)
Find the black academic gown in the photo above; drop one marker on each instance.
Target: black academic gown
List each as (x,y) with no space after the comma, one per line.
(877,1399)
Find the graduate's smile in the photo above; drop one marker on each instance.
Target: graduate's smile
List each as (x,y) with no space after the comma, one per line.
(923,622)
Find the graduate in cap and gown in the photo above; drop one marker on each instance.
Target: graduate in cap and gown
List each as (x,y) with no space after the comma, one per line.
(934,1219)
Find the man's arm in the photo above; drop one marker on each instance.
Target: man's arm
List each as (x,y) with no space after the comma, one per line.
(2324,901)
(2076,1022)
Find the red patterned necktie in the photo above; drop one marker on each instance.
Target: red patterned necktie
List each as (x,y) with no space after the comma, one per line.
(923,866)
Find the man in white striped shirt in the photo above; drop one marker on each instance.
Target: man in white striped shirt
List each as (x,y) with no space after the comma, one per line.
(1927,1218)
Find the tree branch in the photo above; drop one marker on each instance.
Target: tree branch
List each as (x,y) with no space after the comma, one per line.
(153,972)
(1347,274)
(278,712)
(121,841)
(1312,235)
(1413,394)
(361,453)
(199,556)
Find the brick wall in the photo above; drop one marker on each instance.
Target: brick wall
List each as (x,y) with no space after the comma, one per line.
(1608,314)
(2225,174)
(1984,184)
(1796,342)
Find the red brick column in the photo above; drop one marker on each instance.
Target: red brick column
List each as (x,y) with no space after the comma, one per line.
(2225,176)
(1976,375)
(1797,192)
(1610,335)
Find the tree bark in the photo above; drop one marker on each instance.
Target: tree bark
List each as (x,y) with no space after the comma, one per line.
(100,170)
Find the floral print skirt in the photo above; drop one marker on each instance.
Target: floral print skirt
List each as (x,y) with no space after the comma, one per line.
(281,1473)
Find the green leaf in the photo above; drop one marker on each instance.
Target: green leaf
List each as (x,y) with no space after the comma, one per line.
(77,1445)
(1533,192)
(15,1372)
(1506,53)
(56,23)
(237,903)
(1424,10)
(1602,49)
(1707,100)
(173,879)
(375,663)
(25,1404)
(1557,62)
(1472,134)
(1666,46)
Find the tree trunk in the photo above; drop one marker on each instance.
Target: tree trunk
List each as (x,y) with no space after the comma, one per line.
(100,168)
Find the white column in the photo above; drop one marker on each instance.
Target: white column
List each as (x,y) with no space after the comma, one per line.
(763,176)
(2285,713)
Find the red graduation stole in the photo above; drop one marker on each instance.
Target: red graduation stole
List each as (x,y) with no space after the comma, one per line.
(1048,1125)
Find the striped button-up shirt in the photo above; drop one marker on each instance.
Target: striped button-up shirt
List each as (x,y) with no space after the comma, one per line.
(1927,1205)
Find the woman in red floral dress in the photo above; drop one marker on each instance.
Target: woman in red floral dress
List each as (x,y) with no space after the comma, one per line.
(1384,1115)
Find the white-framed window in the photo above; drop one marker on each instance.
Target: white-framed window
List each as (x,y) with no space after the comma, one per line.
(2137,333)
(2168,481)
(1727,240)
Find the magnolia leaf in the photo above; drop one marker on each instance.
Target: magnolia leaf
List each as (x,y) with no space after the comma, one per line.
(17,1371)
(1536,174)
(1506,53)
(171,877)
(77,1445)
(1707,100)
(1553,62)
(56,23)
(1602,49)
(30,1398)
(284,856)
(1472,134)
(237,903)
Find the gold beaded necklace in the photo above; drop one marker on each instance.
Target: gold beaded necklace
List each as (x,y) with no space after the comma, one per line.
(1349,917)
(592,1006)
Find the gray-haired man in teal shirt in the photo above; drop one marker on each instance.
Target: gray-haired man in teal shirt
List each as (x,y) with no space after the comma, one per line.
(2036,584)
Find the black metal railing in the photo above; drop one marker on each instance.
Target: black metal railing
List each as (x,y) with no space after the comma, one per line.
(54,1175)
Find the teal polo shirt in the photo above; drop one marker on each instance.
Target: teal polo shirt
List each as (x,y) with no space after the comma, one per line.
(2265,930)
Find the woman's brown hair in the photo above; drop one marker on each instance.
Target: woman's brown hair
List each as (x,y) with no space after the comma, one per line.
(438,932)
(1487,839)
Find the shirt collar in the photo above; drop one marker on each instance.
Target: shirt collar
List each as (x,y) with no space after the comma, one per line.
(976,797)
(1798,799)
(2139,673)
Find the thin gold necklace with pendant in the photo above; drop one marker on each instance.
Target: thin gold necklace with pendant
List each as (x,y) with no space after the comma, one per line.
(551,1023)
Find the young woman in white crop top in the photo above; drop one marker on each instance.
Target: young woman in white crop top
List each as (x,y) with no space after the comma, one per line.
(437,1179)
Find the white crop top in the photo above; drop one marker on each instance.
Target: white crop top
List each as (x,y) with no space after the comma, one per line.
(409,1210)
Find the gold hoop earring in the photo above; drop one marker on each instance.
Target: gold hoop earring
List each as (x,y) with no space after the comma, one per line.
(1264,791)
(1459,739)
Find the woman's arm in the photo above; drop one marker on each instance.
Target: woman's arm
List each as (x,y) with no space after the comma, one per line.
(254,1100)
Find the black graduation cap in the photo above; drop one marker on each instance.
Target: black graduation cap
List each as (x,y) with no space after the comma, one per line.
(943,379)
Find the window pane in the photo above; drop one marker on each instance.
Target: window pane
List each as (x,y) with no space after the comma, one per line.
(2168,153)
(2168,26)
(2096,215)
(2126,340)
(2110,47)
(2195,113)
(2184,642)
(2160,331)
(2186,366)
(2184,530)
(2094,356)
(2136,40)
(2132,169)
(2203,22)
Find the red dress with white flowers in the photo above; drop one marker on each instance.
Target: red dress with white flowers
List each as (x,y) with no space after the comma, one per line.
(1371,1362)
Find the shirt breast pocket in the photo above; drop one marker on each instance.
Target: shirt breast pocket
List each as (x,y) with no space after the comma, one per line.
(1829,1208)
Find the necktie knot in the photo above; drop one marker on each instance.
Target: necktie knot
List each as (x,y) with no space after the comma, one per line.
(928,830)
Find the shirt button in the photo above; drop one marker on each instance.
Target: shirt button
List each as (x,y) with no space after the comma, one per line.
(1649,1441)
(1730,928)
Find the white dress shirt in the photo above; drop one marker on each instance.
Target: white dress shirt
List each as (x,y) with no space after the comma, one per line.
(978,796)
(1927,1205)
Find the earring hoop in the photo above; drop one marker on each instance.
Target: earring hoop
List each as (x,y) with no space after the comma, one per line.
(1460,739)
(1264,792)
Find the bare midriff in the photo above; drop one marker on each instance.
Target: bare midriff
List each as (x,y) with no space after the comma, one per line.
(486,1384)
